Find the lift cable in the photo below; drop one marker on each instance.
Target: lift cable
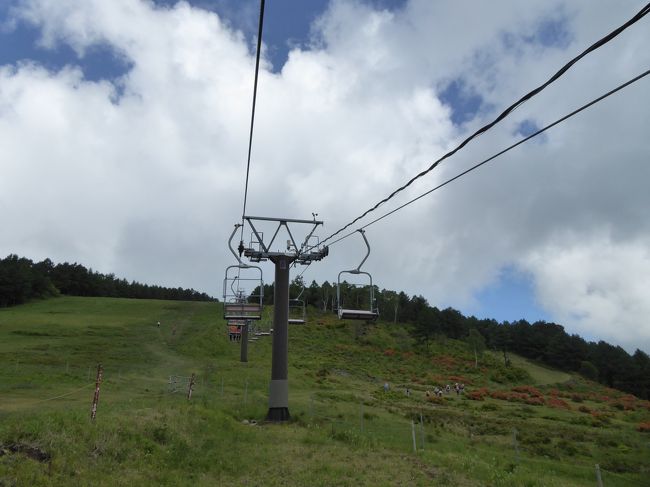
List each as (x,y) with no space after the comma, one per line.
(250,138)
(601,42)
(491,158)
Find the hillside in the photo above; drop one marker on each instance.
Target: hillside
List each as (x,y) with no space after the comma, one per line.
(519,425)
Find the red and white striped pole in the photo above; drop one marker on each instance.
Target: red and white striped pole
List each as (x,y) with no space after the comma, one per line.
(98,381)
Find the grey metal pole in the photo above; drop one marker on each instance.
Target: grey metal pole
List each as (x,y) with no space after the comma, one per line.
(599,479)
(415,447)
(515,444)
(243,344)
(279,388)
(422,430)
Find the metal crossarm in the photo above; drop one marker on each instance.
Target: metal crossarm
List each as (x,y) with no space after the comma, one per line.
(303,254)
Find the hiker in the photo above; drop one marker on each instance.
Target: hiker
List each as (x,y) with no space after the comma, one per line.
(386,387)
(408,392)
(159,324)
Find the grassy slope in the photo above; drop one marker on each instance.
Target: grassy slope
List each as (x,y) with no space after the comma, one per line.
(345,430)
(540,374)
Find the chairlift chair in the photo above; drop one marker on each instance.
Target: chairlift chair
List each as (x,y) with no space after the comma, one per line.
(297,310)
(238,303)
(370,314)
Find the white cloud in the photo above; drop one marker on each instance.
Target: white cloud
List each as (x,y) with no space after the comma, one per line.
(598,288)
(144,176)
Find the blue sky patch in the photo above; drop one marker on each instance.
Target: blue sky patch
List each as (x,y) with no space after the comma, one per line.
(553,33)
(528,127)
(20,43)
(511,298)
(287,23)
(550,32)
(463,101)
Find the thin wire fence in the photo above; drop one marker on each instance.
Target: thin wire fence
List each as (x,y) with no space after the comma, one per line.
(71,385)
(356,420)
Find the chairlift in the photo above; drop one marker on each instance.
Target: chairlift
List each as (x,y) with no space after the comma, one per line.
(297,310)
(243,289)
(370,314)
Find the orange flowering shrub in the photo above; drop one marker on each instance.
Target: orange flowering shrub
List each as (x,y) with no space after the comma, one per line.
(445,362)
(502,395)
(557,403)
(643,427)
(622,405)
(530,390)
(521,397)
(535,401)
(577,397)
(478,394)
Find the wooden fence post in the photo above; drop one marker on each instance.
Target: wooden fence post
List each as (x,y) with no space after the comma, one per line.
(98,381)
(190,387)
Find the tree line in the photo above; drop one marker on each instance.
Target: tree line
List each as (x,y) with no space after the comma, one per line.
(547,343)
(22,280)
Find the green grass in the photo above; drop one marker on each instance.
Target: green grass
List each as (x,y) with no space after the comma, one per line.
(540,374)
(345,429)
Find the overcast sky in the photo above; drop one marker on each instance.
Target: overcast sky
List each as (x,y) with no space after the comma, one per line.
(124,132)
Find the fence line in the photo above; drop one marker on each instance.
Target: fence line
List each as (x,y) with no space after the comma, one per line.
(62,395)
(355,423)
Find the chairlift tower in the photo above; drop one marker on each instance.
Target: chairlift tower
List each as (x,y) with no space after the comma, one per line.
(304,254)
